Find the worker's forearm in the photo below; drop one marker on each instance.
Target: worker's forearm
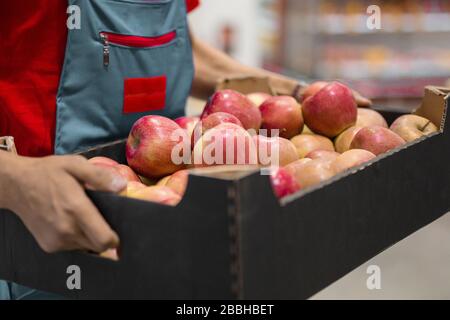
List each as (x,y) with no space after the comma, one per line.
(212,65)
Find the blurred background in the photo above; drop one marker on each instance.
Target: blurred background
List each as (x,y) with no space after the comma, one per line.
(329,39)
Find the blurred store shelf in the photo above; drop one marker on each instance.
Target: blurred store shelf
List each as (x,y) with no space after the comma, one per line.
(330,40)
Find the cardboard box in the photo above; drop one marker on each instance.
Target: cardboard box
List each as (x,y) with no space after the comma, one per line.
(246,85)
(230,238)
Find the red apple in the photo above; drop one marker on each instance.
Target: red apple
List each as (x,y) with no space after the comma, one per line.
(331,110)
(275,151)
(148,182)
(350,159)
(258,98)
(211,121)
(284,114)
(178,182)
(310,172)
(306,130)
(411,127)
(294,166)
(217,118)
(163,182)
(132,187)
(283,183)
(150,145)
(120,169)
(226,144)
(312,89)
(377,140)
(322,154)
(305,143)
(187,123)
(343,141)
(127,173)
(163,195)
(237,104)
(368,117)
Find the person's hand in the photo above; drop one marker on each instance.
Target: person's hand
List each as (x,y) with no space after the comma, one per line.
(48,195)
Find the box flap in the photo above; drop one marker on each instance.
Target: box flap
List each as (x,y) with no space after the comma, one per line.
(434,105)
(246,85)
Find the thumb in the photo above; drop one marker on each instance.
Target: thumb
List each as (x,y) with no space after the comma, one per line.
(97,178)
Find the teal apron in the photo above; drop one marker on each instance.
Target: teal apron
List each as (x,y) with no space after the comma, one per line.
(129,59)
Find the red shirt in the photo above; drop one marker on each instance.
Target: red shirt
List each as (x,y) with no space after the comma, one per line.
(32,45)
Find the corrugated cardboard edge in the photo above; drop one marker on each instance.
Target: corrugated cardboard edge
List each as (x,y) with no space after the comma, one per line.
(434,105)
(246,85)
(236,273)
(225,172)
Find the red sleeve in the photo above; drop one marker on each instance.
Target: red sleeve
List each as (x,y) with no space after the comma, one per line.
(192,4)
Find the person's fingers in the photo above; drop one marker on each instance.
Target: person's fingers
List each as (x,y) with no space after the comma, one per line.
(79,241)
(87,218)
(68,233)
(110,254)
(96,177)
(67,238)
(57,242)
(94,226)
(83,242)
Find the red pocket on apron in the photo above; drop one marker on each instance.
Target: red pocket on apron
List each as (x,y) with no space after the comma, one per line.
(140,94)
(144,94)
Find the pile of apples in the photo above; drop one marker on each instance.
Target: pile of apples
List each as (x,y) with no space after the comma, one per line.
(321,137)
